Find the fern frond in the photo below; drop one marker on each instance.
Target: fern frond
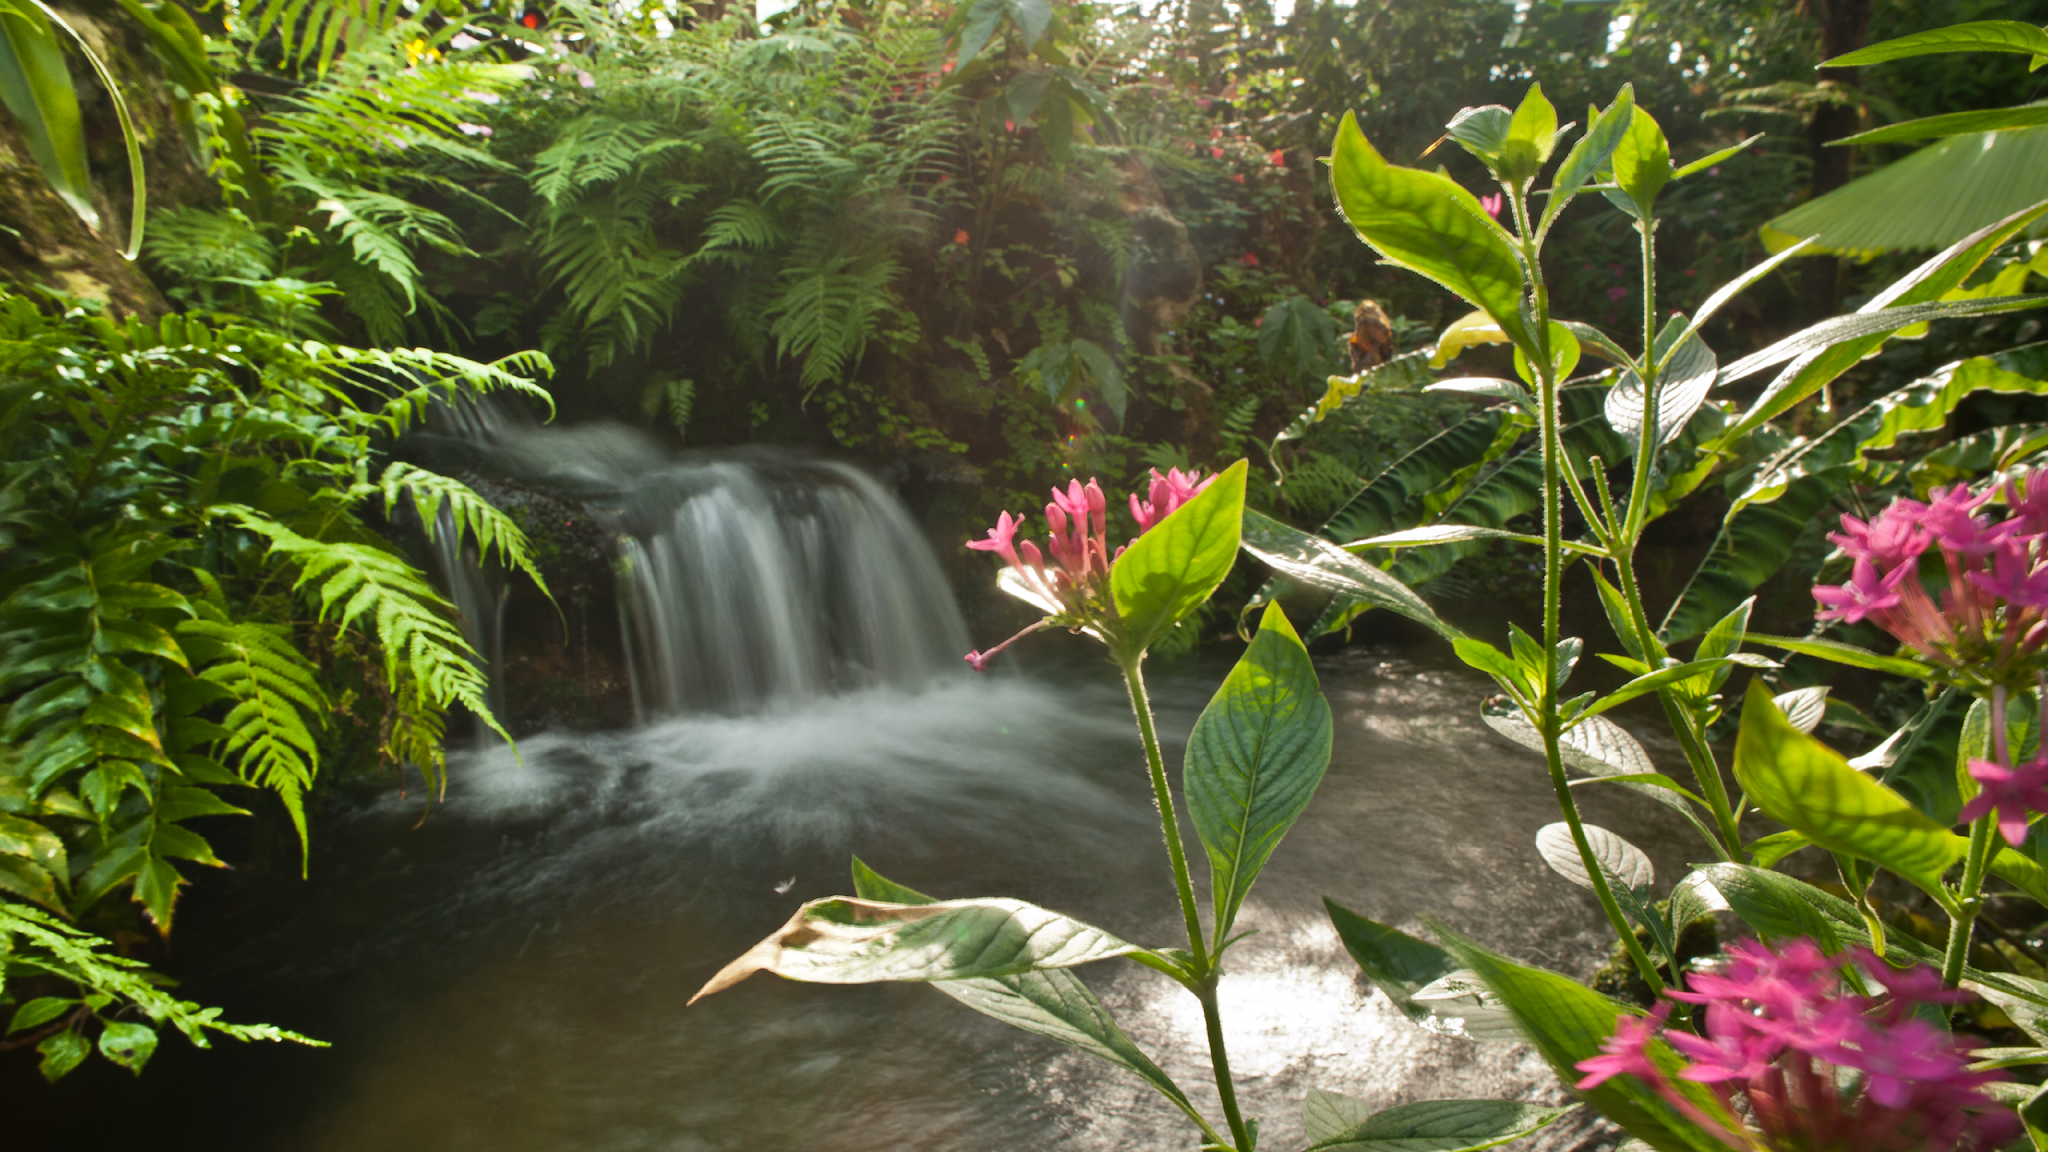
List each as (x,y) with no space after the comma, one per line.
(357,585)
(203,244)
(37,941)
(599,149)
(829,307)
(277,706)
(470,515)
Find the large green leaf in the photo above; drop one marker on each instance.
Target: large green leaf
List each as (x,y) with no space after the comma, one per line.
(842,940)
(1951,124)
(1393,499)
(37,89)
(1173,568)
(1780,907)
(1316,562)
(1427,223)
(1053,1003)
(1567,1022)
(1254,759)
(1929,282)
(1921,406)
(1642,161)
(1442,1126)
(1973,36)
(1809,787)
(1401,966)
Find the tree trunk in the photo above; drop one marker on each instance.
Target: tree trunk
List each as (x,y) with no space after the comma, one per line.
(1843,27)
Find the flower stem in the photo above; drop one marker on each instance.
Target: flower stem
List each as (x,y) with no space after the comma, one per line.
(1969,900)
(1204,983)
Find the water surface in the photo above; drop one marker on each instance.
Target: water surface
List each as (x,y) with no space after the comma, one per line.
(510,975)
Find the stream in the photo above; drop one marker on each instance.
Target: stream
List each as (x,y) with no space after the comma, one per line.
(509,974)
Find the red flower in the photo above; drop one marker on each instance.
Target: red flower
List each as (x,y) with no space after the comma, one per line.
(960,237)
(1248,260)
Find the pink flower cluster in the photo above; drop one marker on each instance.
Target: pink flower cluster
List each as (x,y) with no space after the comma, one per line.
(2014,793)
(1990,616)
(1779,1030)
(1078,519)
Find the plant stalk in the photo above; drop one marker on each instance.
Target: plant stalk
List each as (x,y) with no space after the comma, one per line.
(1551,722)
(1969,895)
(1204,986)
(1169,819)
(1219,1060)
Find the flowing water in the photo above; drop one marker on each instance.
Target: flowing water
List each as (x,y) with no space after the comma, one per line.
(509,974)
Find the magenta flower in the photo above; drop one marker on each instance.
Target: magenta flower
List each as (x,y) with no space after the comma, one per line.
(2013,578)
(1493,204)
(1987,626)
(1953,527)
(1168,493)
(1865,593)
(2012,792)
(1626,1052)
(1074,588)
(1779,1033)
(1892,537)
(2029,504)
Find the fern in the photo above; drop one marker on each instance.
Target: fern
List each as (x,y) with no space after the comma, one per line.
(203,244)
(673,396)
(829,307)
(36,943)
(319,30)
(598,149)
(277,705)
(472,516)
(423,648)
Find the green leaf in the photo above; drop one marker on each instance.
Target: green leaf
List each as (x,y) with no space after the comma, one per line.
(1974,36)
(1326,1115)
(1396,497)
(1174,568)
(1428,224)
(1951,124)
(1567,1022)
(1804,708)
(1532,136)
(1318,563)
(128,1044)
(1564,355)
(1848,654)
(36,87)
(156,889)
(1443,1126)
(1254,759)
(1482,131)
(1591,155)
(1809,787)
(1661,678)
(39,1012)
(841,940)
(1053,1003)
(1684,374)
(61,1053)
(1713,158)
(1929,282)
(1642,161)
(1621,862)
(1413,973)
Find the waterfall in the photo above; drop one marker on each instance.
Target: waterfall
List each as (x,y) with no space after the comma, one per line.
(746,582)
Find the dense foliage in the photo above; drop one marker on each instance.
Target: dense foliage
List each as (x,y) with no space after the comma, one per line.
(1047,239)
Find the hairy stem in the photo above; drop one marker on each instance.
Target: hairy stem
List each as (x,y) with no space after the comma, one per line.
(1551,721)
(1219,1060)
(1169,820)
(1969,894)
(1204,985)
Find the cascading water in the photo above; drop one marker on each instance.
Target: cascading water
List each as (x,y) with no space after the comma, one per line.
(747,582)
